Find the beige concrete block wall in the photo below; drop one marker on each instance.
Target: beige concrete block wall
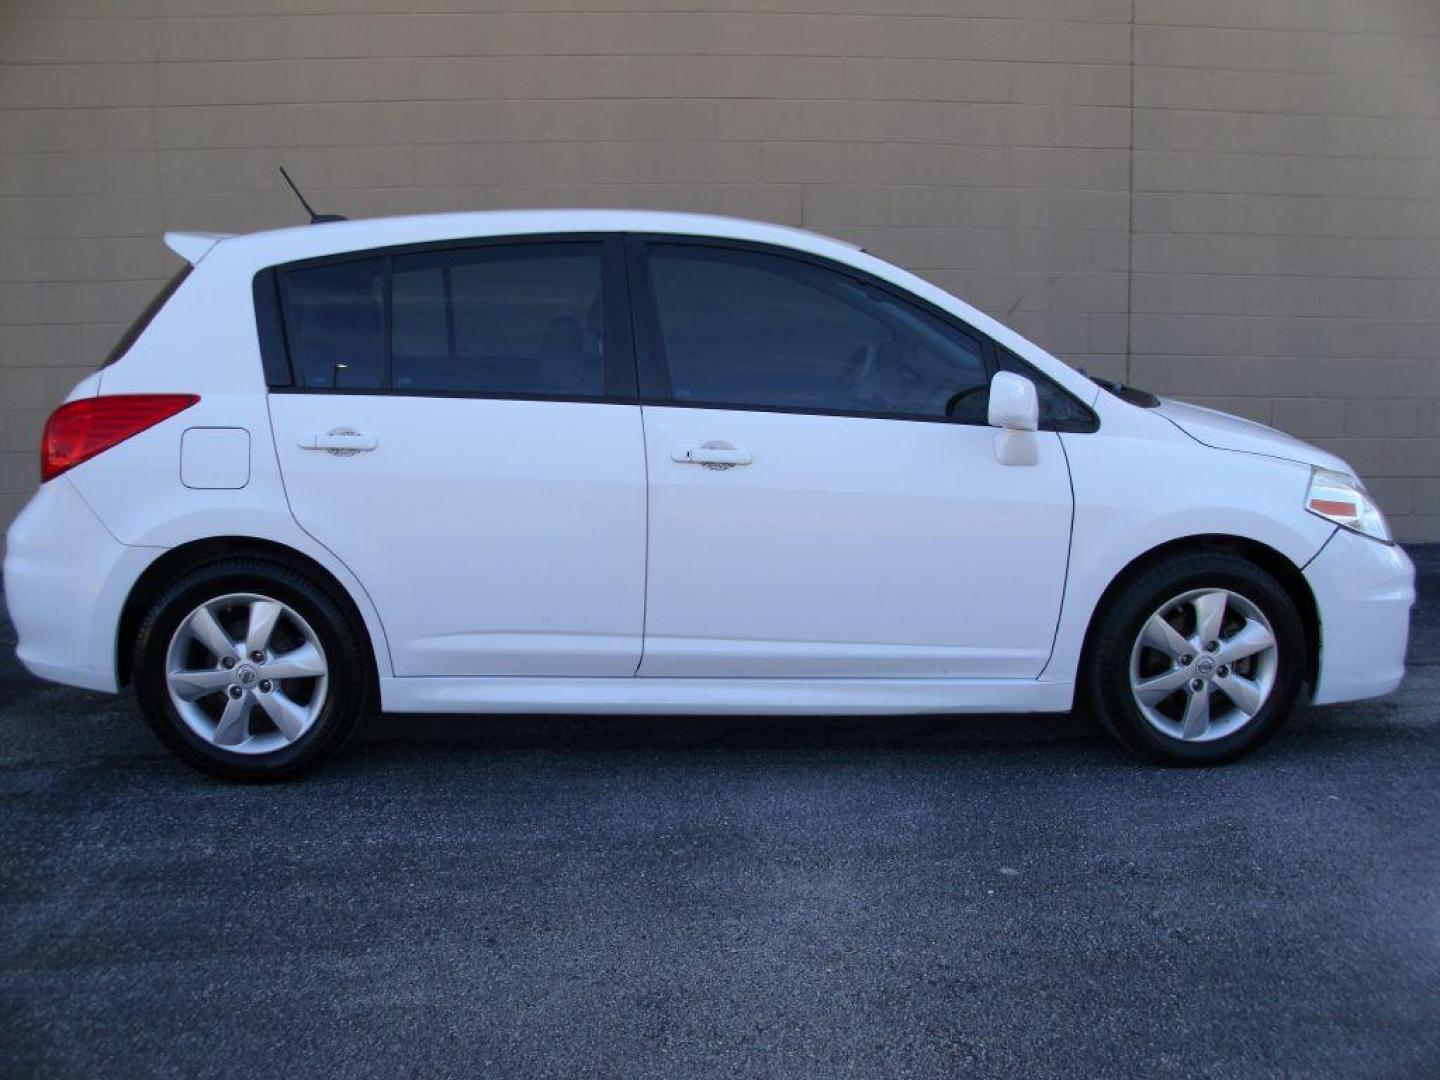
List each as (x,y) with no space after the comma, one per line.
(1235,201)
(1286,225)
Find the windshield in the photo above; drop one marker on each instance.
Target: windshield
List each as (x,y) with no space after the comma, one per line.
(136,328)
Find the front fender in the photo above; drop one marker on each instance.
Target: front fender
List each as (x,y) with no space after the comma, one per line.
(1134,494)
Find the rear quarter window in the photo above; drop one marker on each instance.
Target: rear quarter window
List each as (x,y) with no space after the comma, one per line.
(335,319)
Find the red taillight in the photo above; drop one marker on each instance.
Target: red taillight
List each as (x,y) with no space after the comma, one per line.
(79,430)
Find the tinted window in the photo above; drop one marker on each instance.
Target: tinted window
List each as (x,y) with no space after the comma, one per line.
(1058,408)
(519,320)
(335,324)
(147,315)
(745,328)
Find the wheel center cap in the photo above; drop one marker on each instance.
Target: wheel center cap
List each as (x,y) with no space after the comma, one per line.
(245,675)
(1205,665)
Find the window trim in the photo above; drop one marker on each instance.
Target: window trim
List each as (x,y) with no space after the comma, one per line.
(270,328)
(654,376)
(619,352)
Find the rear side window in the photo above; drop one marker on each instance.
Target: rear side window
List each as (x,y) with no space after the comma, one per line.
(494,319)
(135,329)
(335,324)
(527,319)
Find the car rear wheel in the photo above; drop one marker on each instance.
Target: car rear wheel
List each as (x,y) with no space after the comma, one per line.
(1196,660)
(249,670)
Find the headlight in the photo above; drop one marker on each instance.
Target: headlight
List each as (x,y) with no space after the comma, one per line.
(1342,499)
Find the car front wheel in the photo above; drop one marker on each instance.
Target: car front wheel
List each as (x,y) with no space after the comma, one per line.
(1196,660)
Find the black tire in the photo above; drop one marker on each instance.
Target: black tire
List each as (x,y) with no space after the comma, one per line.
(1105,690)
(350,692)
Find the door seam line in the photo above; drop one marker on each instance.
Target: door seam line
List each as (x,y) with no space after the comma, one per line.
(645,578)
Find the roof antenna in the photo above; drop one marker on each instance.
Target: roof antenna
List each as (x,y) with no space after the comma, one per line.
(315,219)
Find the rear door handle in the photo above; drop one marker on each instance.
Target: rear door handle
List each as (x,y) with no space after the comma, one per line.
(341,441)
(712,455)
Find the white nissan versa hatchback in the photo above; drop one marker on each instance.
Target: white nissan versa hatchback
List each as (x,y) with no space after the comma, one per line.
(611,461)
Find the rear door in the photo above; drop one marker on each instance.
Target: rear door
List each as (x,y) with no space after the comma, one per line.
(461,430)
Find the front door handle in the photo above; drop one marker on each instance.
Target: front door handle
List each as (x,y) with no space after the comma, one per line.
(342,442)
(712,455)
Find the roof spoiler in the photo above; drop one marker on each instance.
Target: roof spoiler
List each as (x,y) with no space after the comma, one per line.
(192,246)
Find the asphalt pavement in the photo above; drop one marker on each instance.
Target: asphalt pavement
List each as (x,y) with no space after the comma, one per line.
(674,897)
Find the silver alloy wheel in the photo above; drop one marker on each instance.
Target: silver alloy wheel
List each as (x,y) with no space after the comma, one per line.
(1204,664)
(240,651)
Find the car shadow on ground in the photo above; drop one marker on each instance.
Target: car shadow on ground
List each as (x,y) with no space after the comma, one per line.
(728,733)
(1026,741)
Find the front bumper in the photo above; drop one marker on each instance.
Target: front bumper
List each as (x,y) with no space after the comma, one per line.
(1364,591)
(66,581)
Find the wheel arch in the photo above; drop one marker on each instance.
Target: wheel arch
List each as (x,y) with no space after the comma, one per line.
(1274,562)
(186,557)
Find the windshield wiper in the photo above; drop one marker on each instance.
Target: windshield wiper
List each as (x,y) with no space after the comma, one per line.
(1135,396)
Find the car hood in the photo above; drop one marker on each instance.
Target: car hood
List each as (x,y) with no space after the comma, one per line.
(1226,432)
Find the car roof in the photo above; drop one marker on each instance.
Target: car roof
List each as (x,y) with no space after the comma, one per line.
(275,246)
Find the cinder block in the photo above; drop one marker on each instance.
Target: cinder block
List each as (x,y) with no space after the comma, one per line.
(79,130)
(1409,457)
(1414,528)
(70,86)
(39,217)
(1108,333)
(1425,496)
(23,429)
(1310,418)
(966,38)
(1090,42)
(40,387)
(1282,295)
(918,80)
(647,120)
(1071,84)
(426,33)
(1212,294)
(1382,418)
(218,37)
(1395,494)
(1096,293)
(19,472)
(1412,298)
(29,40)
(113,173)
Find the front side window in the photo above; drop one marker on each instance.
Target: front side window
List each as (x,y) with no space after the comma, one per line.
(747,328)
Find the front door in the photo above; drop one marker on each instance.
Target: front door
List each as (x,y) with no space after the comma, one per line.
(463,435)
(825,499)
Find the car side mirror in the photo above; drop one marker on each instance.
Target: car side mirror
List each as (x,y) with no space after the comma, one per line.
(1015,409)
